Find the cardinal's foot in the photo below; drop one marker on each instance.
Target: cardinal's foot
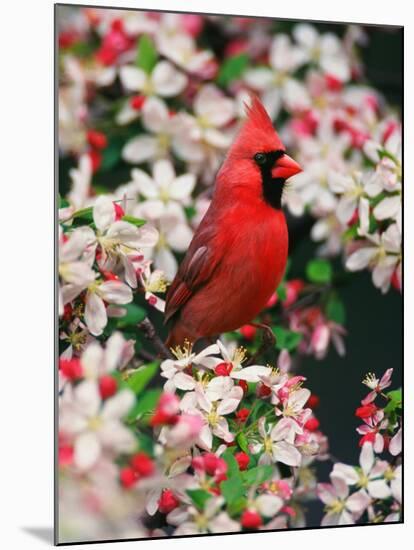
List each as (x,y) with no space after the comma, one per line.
(268,341)
(268,336)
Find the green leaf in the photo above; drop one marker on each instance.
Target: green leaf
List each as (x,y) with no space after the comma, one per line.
(258,474)
(199,497)
(232,465)
(62,202)
(146,443)
(134,221)
(145,405)
(134,315)
(384,153)
(84,215)
(232,489)
(319,271)
(141,377)
(190,212)
(281,292)
(146,54)
(335,310)
(237,506)
(242,442)
(82,49)
(111,155)
(232,69)
(395,401)
(351,233)
(373,224)
(286,339)
(377,199)
(258,409)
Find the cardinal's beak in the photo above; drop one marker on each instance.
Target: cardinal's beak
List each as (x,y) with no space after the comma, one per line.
(285,168)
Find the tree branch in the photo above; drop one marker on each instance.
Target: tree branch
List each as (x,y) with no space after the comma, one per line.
(151,335)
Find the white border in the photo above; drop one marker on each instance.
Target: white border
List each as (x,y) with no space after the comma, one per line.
(27,263)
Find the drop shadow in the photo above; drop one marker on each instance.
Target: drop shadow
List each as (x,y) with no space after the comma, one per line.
(42,533)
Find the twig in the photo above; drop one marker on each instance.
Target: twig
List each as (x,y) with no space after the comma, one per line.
(308,299)
(146,355)
(151,334)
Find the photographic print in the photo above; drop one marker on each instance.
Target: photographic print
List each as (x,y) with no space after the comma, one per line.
(229,274)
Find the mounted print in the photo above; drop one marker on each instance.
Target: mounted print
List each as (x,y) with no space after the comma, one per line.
(229,274)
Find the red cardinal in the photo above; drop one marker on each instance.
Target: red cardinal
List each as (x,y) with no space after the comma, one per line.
(238,254)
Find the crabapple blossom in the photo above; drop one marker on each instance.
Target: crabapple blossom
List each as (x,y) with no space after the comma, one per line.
(323,49)
(395,445)
(186,432)
(119,241)
(275,83)
(153,282)
(341,507)
(376,385)
(211,520)
(81,177)
(181,49)
(174,232)
(75,268)
(163,125)
(394,476)
(204,132)
(97,295)
(265,505)
(231,365)
(96,362)
(371,475)
(174,370)
(165,80)
(371,431)
(96,427)
(273,444)
(291,405)
(219,398)
(164,186)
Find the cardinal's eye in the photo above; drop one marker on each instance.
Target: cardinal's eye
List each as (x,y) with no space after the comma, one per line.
(260,158)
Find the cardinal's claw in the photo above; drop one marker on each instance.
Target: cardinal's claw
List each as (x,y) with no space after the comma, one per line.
(268,341)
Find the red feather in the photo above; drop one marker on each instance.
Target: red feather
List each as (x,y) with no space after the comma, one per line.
(238,254)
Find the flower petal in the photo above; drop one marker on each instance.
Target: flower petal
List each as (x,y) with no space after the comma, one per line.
(286,453)
(132,78)
(166,80)
(378,488)
(268,505)
(361,258)
(155,115)
(103,213)
(358,502)
(366,458)
(87,450)
(140,149)
(182,187)
(387,208)
(95,314)
(116,292)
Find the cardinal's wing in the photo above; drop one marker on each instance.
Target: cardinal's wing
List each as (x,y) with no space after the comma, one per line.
(195,270)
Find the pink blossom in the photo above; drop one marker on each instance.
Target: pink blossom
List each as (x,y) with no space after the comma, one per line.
(376,385)
(340,507)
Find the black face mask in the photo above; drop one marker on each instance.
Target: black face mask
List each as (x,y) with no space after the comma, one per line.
(272,187)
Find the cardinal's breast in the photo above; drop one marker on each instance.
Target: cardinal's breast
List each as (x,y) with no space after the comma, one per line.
(254,253)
